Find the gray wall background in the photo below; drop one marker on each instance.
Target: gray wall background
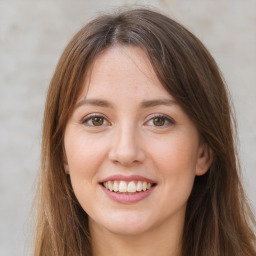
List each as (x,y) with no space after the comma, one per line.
(32,37)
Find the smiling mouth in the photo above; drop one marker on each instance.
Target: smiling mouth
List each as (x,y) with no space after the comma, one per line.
(125,187)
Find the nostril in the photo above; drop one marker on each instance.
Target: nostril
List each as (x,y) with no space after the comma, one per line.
(126,151)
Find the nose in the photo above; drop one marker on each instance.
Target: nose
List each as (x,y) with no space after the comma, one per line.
(126,148)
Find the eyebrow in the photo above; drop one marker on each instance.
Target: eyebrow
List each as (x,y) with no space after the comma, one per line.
(143,104)
(153,103)
(94,102)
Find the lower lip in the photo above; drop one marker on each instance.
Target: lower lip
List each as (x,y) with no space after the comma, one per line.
(128,198)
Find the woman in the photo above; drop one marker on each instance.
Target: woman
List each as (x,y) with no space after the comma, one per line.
(138,153)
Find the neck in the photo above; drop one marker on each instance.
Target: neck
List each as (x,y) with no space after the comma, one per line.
(159,241)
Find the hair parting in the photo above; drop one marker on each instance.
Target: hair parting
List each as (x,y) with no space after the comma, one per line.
(218,218)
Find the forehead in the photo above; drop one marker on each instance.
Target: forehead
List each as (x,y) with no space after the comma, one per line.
(122,71)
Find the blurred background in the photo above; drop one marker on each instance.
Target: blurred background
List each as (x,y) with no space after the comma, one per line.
(33,34)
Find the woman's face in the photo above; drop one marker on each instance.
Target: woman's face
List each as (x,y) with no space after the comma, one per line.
(131,151)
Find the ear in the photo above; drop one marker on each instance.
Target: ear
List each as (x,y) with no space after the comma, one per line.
(204,159)
(66,167)
(65,162)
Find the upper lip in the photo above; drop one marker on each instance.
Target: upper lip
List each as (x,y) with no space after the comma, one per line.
(127,178)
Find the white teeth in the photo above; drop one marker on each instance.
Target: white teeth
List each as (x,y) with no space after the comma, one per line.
(124,186)
(139,186)
(110,185)
(115,186)
(144,185)
(132,187)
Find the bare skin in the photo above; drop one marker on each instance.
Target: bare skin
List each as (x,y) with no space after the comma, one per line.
(159,241)
(127,125)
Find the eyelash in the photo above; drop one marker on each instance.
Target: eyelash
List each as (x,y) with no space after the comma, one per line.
(167,120)
(89,118)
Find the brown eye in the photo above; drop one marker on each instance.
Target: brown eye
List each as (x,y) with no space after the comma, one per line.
(159,121)
(97,121)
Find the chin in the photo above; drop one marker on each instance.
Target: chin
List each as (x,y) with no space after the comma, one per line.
(127,230)
(125,224)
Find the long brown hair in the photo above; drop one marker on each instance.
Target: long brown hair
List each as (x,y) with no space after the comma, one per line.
(218,219)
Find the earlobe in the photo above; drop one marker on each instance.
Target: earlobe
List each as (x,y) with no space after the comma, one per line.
(66,168)
(204,160)
(65,162)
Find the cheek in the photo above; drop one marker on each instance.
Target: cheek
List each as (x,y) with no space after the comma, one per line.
(84,154)
(176,155)
(175,160)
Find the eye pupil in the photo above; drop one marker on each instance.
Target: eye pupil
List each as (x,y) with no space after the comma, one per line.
(97,121)
(159,121)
